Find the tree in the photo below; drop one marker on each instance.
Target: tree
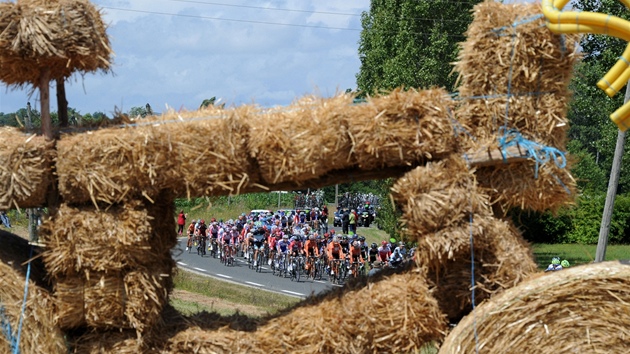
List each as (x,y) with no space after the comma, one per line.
(411,43)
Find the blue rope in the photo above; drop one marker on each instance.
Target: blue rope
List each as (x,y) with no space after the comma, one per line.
(540,153)
(6,328)
(16,348)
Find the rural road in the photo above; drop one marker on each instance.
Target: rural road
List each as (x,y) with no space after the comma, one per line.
(241,274)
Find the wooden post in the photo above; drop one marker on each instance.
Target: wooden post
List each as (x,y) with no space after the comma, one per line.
(44,93)
(62,103)
(613,181)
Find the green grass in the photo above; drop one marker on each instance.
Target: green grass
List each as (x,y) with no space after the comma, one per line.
(372,234)
(189,308)
(576,254)
(234,293)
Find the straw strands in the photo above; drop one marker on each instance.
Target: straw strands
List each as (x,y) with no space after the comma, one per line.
(527,87)
(113,300)
(39,334)
(399,321)
(502,260)
(582,310)
(124,237)
(62,36)
(403,127)
(25,162)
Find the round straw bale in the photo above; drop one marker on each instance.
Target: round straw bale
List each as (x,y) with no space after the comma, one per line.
(502,259)
(63,36)
(403,127)
(195,340)
(25,173)
(403,317)
(38,333)
(438,195)
(304,140)
(580,310)
(113,341)
(525,186)
(123,237)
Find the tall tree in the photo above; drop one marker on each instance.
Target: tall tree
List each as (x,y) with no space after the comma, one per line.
(411,43)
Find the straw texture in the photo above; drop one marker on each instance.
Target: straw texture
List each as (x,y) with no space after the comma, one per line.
(514,75)
(579,310)
(25,169)
(39,334)
(61,36)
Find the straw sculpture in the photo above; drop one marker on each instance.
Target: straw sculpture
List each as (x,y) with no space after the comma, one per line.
(403,127)
(116,165)
(84,240)
(443,209)
(113,300)
(38,334)
(579,310)
(25,169)
(292,144)
(399,321)
(60,36)
(524,97)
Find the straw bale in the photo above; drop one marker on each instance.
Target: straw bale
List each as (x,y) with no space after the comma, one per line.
(399,321)
(518,186)
(177,152)
(39,334)
(124,237)
(579,310)
(502,259)
(514,71)
(438,195)
(63,36)
(25,169)
(403,127)
(113,300)
(303,141)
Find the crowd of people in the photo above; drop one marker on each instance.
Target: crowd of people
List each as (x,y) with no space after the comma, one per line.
(277,239)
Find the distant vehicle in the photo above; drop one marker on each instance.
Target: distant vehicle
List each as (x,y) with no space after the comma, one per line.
(337,221)
(259,211)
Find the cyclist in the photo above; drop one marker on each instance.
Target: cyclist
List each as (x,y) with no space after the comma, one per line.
(335,252)
(282,249)
(364,247)
(191,233)
(258,238)
(355,254)
(384,252)
(345,243)
(202,237)
(311,249)
(295,246)
(372,253)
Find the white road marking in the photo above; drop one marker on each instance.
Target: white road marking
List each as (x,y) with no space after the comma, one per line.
(182,263)
(251,283)
(292,292)
(203,270)
(321,281)
(224,276)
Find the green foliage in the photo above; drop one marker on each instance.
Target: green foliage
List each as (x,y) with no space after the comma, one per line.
(411,43)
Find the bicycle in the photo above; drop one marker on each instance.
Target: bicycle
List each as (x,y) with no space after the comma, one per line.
(294,269)
(259,260)
(213,248)
(335,269)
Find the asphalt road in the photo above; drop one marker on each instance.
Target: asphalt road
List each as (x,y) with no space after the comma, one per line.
(241,274)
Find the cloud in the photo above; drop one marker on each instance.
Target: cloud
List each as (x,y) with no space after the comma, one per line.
(180,52)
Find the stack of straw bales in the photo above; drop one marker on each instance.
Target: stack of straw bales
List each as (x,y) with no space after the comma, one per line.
(585,309)
(110,269)
(402,318)
(38,334)
(25,169)
(526,90)
(218,152)
(443,209)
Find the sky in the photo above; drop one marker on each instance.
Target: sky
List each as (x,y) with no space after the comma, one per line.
(176,53)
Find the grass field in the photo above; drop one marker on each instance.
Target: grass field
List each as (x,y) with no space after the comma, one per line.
(227,297)
(576,254)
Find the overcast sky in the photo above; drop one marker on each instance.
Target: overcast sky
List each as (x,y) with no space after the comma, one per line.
(180,52)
